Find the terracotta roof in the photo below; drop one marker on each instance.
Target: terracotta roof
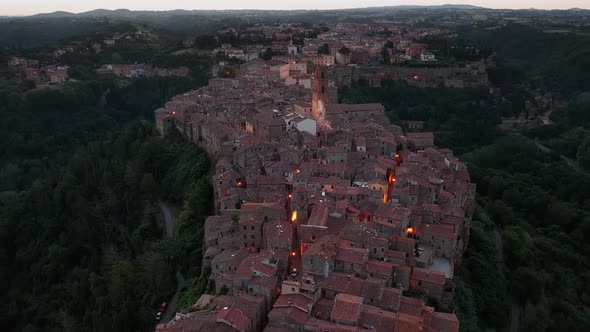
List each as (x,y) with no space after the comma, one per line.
(352,255)
(372,288)
(343,283)
(298,301)
(380,268)
(429,276)
(235,318)
(411,306)
(264,269)
(444,322)
(323,308)
(439,230)
(391,211)
(376,319)
(269,283)
(347,307)
(391,298)
(407,323)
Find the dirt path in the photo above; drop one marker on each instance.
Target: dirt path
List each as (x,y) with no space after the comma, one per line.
(514,307)
(180,281)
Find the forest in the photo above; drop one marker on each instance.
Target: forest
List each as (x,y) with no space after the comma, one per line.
(82,240)
(84,244)
(541,206)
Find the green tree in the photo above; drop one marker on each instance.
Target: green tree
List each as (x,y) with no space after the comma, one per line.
(583,153)
(149,187)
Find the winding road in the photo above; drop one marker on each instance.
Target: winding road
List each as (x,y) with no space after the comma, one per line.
(170,222)
(569,161)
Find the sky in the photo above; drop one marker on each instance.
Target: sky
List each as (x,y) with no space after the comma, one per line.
(28,7)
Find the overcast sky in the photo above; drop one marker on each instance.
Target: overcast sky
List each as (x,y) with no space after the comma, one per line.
(27,7)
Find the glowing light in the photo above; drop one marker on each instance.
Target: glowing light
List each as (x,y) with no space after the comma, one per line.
(240,183)
(290,196)
(410,230)
(293,253)
(416,77)
(173,113)
(294,216)
(297,171)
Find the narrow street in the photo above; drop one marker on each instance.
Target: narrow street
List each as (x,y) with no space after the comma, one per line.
(295,255)
(170,222)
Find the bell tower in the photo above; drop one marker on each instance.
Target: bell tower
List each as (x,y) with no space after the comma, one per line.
(324,91)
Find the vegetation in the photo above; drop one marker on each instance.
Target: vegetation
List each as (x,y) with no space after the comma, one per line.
(461,118)
(559,67)
(542,206)
(482,299)
(83,245)
(82,240)
(41,127)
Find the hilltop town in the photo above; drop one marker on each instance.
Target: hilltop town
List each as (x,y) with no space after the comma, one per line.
(373,169)
(328,218)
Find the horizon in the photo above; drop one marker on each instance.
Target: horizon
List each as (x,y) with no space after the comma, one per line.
(31,7)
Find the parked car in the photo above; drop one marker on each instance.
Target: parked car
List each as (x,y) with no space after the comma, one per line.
(158,316)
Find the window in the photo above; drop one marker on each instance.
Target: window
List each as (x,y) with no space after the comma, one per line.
(419,283)
(313,237)
(252,237)
(292,289)
(252,227)
(245,236)
(244,227)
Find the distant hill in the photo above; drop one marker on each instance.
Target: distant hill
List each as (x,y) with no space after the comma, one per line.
(126,13)
(135,13)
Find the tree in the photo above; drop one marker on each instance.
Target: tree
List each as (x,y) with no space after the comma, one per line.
(527,285)
(324,49)
(344,50)
(149,187)
(268,54)
(583,154)
(385,56)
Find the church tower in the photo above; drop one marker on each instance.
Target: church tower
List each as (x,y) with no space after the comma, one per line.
(324,92)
